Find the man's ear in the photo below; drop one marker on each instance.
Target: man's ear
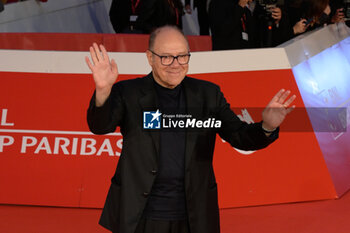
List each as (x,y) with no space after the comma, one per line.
(149,57)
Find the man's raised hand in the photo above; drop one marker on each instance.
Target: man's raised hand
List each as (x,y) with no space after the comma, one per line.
(277,109)
(104,72)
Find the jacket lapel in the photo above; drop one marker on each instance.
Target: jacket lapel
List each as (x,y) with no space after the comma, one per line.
(194,108)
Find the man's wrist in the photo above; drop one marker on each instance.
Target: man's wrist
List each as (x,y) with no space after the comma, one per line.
(101,97)
(268,131)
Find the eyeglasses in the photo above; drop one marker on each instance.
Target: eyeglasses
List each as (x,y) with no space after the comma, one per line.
(169,59)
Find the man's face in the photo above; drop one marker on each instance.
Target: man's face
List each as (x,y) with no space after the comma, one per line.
(168,42)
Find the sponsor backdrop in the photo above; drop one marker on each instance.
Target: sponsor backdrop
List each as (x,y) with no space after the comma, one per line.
(49,157)
(80,42)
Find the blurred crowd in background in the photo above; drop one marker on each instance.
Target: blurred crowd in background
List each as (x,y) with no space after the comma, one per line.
(3,2)
(233,24)
(12,1)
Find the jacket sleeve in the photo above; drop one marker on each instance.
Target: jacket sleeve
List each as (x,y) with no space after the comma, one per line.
(239,134)
(106,118)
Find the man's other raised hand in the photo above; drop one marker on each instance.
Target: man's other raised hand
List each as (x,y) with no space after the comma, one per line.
(104,72)
(277,109)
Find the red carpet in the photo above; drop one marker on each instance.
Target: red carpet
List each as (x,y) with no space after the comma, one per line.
(331,216)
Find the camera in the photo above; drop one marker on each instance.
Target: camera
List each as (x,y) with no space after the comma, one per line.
(268,2)
(268,6)
(346,10)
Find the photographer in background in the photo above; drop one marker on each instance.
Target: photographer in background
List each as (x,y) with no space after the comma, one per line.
(123,15)
(272,23)
(203,18)
(241,24)
(340,11)
(306,15)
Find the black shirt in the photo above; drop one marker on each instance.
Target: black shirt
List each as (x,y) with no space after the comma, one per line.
(167,198)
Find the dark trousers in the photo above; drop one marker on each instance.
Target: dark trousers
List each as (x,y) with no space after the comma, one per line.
(162,226)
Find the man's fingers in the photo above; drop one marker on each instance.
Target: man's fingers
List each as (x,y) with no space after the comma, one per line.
(104,53)
(277,96)
(87,60)
(114,67)
(97,52)
(289,101)
(283,97)
(289,110)
(93,55)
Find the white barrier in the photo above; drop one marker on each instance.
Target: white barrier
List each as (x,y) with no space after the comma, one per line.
(75,16)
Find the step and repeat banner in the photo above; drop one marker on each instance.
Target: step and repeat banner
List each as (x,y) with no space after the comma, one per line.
(49,157)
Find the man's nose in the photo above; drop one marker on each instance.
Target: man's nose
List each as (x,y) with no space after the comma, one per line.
(175,63)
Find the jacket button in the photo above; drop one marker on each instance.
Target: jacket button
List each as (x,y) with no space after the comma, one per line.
(145,194)
(154,172)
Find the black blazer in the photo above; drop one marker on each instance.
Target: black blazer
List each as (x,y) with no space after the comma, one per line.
(137,166)
(226,25)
